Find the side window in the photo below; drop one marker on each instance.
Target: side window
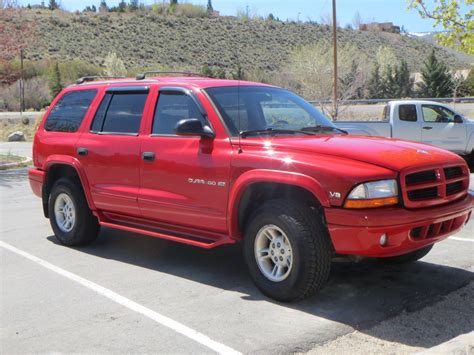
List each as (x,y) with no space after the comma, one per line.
(119,113)
(171,108)
(433,113)
(407,113)
(69,111)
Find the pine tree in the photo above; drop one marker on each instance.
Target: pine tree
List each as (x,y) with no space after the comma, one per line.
(173,2)
(403,81)
(53,5)
(103,6)
(210,9)
(389,85)
(122,6)
(436,79)
(374,84)
(56,86)
(133,6)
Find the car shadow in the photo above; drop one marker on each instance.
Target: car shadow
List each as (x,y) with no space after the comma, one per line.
(358,294)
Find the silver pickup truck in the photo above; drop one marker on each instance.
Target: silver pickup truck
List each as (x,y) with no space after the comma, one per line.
(423,121)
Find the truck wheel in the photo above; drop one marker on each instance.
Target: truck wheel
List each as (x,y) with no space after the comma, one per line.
(287,250)
(71,219)
(407,258)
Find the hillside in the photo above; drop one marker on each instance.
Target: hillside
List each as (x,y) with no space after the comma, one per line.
(150,40)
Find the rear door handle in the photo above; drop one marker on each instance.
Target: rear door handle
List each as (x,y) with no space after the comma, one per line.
(148,156)
(82,151)
(427,127)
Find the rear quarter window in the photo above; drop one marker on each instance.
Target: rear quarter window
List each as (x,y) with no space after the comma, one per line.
(69,111)
(407,113)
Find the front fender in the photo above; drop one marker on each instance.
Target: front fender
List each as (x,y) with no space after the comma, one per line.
(273,176)
(76,164)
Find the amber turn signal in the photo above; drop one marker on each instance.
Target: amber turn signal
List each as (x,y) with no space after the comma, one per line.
(371,203)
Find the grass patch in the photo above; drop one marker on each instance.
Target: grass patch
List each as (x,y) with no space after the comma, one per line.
(9,158)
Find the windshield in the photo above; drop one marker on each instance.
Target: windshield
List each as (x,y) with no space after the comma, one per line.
(257,108)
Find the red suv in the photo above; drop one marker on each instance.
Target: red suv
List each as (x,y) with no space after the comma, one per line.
(209,162)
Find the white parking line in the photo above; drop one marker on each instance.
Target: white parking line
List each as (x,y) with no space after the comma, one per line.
(163,320)
(462,239)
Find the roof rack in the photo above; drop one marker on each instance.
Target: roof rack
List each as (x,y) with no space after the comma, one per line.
(92,78)
(142,76)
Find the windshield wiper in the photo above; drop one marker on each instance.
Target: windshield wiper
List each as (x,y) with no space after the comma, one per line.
(319,128)
(273,131)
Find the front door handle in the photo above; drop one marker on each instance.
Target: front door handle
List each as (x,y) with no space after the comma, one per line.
(82,151)
(148,156)
(427,127)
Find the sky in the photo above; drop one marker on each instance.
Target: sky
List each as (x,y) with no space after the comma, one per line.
(370,10)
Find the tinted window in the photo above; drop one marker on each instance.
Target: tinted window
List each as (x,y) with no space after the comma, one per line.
(407,113)
(257,108)
(119,113)
(69,111)
(172,108)
(434,113)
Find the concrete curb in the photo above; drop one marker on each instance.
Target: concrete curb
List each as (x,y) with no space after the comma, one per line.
(15,164)
(461,345)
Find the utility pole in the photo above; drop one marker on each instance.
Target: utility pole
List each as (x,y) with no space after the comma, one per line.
(22,84)
(334,40)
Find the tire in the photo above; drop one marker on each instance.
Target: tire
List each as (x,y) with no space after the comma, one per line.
(75,225)
(307,250)
(407,258)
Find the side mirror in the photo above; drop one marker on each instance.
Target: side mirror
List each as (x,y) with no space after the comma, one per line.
(193,127)
(458,119)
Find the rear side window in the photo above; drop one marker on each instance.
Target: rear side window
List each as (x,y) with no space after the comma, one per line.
(69,111)
(119,113)
(171,108)
(407,113)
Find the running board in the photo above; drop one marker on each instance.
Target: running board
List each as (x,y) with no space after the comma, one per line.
(184,239)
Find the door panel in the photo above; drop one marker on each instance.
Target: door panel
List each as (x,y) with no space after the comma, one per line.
(187,183)
(407,125)
(439,128)
(112,168)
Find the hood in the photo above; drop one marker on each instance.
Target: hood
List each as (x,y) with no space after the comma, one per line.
(394,154)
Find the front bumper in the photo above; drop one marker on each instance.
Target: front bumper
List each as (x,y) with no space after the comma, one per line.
(358,232)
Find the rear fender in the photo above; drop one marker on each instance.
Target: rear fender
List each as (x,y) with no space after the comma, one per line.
(76,164)
(272,176)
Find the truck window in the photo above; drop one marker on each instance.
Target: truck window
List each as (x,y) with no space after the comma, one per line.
(69,111)
(171,108)
(435,113)
(119,113)
(407,113)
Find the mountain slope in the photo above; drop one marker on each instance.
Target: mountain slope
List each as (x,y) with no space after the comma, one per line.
(149,40)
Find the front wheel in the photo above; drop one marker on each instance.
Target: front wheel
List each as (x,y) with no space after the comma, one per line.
(287,250)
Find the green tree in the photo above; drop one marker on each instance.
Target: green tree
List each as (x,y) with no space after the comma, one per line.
(404,84)
(173,2)
(53,5)
(210,9)
(459,26)
(122,6)
(389,85)
(114,65)
(348,83)
(55,80)
(436,79)
(103,6)
(374,84)
(133,5)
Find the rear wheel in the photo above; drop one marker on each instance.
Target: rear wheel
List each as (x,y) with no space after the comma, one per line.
(71,219)
(407,258)
(287,250)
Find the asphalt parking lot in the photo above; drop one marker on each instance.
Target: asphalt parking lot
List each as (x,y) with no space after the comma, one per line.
(128,293)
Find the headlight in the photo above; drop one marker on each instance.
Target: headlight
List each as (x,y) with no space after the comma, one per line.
(373,194)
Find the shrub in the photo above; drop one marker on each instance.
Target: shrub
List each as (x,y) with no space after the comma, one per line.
(37,95)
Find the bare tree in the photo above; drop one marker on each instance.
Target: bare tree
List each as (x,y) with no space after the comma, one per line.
(311,71)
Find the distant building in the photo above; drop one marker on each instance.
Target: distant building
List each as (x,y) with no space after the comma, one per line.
(379,27)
